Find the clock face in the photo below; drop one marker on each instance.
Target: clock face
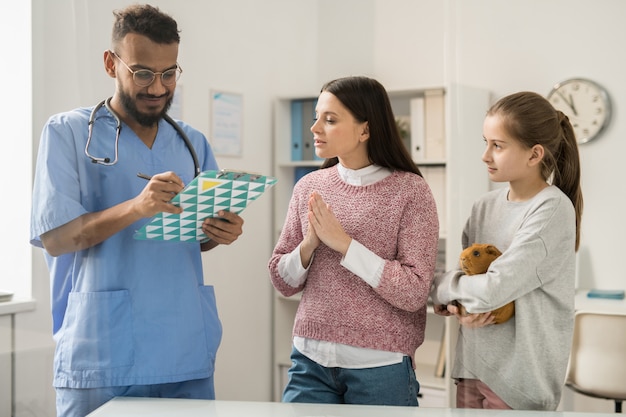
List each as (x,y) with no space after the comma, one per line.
(585,103)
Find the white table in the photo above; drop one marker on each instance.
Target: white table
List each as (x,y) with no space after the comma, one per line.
(156,407)
(163,407)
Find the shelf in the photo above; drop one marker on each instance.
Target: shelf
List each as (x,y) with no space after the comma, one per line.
(433,163)
(17,305)
(295,164)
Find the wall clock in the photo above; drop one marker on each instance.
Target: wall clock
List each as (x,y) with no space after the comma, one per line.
(586,104)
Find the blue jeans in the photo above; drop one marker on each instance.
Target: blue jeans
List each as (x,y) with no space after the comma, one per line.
(310,382)
(78,402)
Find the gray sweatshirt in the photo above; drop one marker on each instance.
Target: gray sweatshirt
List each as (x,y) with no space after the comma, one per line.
(523,360)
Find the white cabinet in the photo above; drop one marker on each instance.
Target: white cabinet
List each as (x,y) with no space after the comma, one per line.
(6,370)
(444,126)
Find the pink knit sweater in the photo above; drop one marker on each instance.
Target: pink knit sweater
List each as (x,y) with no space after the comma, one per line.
(395,218)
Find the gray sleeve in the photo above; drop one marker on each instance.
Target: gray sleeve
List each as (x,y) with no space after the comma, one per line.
(509,277)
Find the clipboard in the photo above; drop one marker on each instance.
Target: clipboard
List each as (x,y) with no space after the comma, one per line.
(205,196)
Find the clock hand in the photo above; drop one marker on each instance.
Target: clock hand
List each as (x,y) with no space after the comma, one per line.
(571,104)
(568,102)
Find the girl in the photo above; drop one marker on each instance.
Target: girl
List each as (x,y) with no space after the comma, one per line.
(535,222)
(360,242)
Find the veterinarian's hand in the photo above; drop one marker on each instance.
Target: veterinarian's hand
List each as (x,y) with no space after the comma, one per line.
(441,309)
(472,321)
(224,229)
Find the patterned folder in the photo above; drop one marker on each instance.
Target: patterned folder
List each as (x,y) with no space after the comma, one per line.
(205,196)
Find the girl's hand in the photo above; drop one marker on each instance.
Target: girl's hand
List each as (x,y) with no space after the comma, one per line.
(441,309)
(471,321)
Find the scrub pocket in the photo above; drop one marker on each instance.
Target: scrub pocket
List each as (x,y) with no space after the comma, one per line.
(97,332)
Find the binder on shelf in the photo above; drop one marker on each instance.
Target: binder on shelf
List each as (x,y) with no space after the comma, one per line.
(204,197)
(302,118)
(434,126)
(300,172)
(308,118)
(296,130)
(416,109)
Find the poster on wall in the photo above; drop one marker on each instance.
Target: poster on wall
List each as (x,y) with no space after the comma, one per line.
(226,123)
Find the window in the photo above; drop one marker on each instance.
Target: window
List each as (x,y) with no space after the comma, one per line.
(17,144)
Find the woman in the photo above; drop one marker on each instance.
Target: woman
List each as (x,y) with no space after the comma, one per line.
(360,242)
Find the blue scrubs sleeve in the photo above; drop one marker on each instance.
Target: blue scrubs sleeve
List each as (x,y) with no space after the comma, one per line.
(56,190)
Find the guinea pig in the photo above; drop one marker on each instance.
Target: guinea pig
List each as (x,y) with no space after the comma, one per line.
(475,259)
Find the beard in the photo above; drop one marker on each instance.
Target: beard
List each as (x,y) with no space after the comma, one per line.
(147,120)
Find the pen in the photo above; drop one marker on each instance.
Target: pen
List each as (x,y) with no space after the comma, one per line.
(144,176)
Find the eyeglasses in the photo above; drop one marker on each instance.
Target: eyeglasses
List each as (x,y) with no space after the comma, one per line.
(145,77)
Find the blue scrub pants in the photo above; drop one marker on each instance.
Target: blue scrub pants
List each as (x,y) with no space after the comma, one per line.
(310,382)
(78,402)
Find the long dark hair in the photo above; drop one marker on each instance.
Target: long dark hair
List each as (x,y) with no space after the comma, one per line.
(530,118)
(367,100)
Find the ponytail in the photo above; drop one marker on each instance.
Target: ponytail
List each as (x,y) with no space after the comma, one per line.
(567,169)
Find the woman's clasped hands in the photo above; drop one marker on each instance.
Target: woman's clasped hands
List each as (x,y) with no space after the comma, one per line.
(323,228)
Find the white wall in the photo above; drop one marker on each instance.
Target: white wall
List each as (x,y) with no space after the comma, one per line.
(289,47)
(410,43)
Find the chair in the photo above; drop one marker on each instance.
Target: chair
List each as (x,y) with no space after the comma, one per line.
(597,366)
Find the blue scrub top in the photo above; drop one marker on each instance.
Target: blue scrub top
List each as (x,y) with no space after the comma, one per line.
(125,311)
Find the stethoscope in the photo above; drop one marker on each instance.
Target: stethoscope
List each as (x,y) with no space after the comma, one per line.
(118,129)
